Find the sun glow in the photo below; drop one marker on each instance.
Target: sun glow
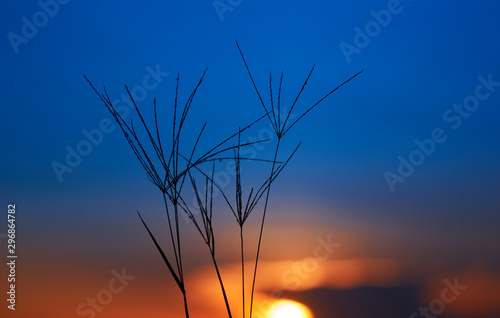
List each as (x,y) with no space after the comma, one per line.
(290,309)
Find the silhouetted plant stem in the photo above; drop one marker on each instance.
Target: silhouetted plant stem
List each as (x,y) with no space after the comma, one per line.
(205,227)
(171,231)
(185,303)
(170,181)
(242,269)
(165,259)
(181,273)
(226,301)
(262,224)
(176,215)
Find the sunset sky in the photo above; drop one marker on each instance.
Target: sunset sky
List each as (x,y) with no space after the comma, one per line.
(391,198)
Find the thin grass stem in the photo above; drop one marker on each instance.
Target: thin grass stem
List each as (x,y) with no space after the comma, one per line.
(242,269)
(262,225)
(226,301)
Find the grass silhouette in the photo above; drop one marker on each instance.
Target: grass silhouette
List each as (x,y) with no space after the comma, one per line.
(168,169)
(280,127)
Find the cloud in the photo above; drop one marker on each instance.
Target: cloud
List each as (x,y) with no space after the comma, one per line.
(480,299)
(292,275)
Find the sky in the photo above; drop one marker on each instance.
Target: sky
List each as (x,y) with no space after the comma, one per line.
(400,167)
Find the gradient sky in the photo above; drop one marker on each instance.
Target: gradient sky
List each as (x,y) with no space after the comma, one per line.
(442,221)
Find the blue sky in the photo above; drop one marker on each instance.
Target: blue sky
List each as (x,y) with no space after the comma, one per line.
(427,58)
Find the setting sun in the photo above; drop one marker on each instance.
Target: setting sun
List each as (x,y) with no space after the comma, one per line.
(290,309)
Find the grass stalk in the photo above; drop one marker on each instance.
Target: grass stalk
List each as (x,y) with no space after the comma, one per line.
(206,229)
(186,310)
(262,224)
(242,270)
(226,301)
(175,174)
(171,232)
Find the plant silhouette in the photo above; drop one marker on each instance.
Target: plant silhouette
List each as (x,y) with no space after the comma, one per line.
(168,169)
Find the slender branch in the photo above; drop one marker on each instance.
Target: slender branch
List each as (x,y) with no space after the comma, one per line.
(296,99)
(272,103)
(180,284)
(171,232)
(184,296)
(255,86)
(242,269)
(319,101)
(226,301)
(262,226)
